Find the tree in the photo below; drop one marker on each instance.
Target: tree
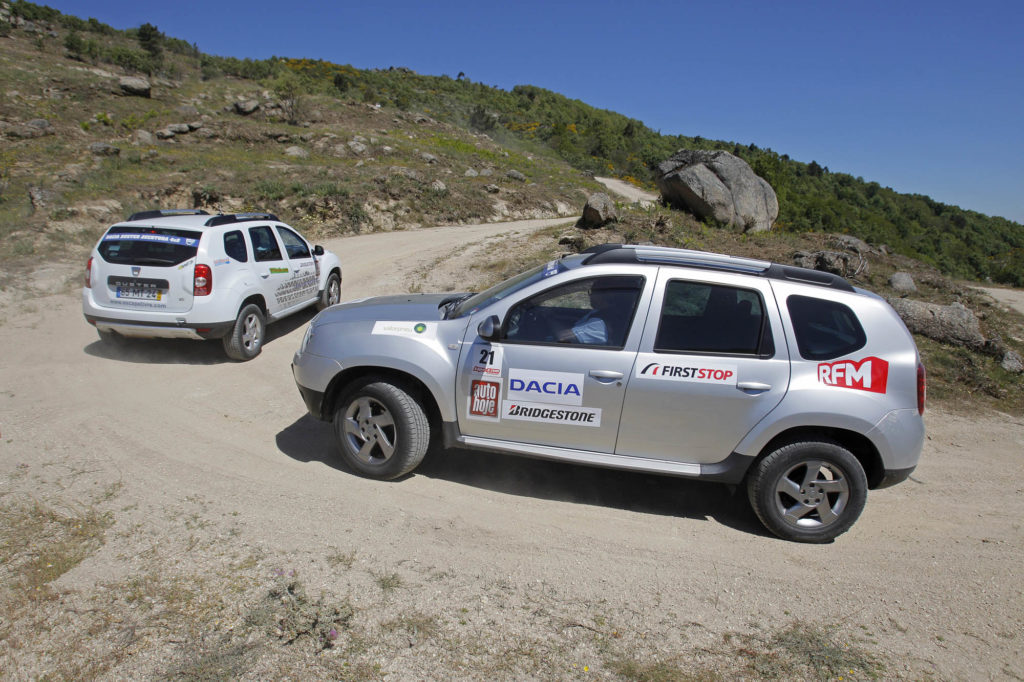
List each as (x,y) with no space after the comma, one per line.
(290,92)
(151,40)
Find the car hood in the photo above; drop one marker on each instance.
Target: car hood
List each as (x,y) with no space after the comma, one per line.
(407,307)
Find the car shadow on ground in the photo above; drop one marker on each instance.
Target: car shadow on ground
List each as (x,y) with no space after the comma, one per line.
(186,351)
(310,440)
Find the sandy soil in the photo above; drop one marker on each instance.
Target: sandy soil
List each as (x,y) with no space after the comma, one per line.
(207,461)
(1013,298)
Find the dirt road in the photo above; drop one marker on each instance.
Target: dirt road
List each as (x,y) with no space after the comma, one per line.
(215,484)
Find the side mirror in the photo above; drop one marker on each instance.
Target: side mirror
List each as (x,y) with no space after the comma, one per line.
(318,250)
(489,328)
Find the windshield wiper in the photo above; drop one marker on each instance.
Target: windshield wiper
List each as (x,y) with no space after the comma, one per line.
(451,302)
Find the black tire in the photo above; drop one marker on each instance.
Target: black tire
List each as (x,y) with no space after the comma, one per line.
(381,430)
(331,293)
(245,341)
(809,491)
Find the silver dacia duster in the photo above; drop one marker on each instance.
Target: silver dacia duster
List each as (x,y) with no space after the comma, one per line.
(645,358)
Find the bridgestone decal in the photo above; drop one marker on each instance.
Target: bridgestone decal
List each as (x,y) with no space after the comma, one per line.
(550,414)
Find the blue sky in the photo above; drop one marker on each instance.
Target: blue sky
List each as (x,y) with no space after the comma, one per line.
(923,97)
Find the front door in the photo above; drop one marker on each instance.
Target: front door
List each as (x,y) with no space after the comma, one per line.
(558,375)
(270,265)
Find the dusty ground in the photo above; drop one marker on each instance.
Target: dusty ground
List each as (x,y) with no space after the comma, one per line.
(628,191)
(216,494)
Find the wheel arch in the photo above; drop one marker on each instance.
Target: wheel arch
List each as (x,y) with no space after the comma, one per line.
(859,445)
(256,299)
(349,379)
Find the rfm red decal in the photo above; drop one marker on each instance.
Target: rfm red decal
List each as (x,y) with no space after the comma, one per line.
(483,398)
(869,374)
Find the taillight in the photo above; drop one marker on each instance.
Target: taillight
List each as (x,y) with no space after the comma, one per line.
(88,274)
(202,284)
(921,389)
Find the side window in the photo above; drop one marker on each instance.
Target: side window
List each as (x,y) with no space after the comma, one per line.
(294,245)
(697,317)
(264,246)
(824,329)
(234,246)
(593,312)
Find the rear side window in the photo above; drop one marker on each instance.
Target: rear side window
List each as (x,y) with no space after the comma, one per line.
(234,246)
(824,329)
(697,317)
(264,245)
(148,246)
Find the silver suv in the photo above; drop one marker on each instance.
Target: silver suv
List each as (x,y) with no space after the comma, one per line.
(183,273)
(644,358)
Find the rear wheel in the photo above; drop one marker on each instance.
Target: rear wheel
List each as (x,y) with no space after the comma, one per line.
(381,430)
(331,293)
(245,341)
(810,491)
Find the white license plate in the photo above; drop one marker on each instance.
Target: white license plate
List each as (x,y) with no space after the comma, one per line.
(133,292)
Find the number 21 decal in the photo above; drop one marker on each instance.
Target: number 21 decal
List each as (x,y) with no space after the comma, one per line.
(487,359)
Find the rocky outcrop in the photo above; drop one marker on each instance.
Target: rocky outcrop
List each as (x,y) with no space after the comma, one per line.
(599,210)
(718,185)
(133,86)
(246,107)
(954,324)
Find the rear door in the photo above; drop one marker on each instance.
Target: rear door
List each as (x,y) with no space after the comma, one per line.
(146,268)
(713,362)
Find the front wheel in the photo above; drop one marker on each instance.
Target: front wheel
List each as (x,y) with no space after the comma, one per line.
(810,491)
(381,430)
(245,341)
(331,293)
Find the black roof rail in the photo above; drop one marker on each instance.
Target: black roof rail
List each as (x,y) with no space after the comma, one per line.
(628,253)
(225,218)
(165,212)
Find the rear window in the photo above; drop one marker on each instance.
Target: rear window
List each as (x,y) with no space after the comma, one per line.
(148,246)
(824,329)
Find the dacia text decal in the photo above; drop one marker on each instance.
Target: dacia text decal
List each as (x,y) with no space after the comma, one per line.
(699,372)
(550,387)
(550,414)
(870,374)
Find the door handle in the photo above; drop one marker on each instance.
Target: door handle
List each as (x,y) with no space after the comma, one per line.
(753,386)
(264,275)
(605,374)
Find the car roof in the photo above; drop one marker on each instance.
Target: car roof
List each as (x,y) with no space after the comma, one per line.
(664,255)
(192,219)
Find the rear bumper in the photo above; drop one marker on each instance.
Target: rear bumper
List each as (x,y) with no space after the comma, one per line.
(161,330)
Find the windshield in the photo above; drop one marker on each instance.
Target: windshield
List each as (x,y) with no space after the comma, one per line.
(148,246)
(509,287)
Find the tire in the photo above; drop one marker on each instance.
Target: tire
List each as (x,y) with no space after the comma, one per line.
(245,340)
(809,491)
(331,293)
(381,430)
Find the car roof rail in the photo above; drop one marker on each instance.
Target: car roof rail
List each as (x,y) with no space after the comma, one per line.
(664,255)
(225,218)
(165,213)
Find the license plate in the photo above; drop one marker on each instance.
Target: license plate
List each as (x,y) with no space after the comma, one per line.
(135,292)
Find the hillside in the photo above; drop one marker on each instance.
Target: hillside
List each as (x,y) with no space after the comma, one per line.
(435,128)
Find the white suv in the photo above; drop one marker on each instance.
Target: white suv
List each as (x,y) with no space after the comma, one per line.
(187,274)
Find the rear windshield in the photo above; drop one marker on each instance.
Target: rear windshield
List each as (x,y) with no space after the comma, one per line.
(148,246)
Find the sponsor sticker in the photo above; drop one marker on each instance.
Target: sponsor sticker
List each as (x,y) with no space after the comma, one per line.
(486,359)
(396,328)
(278,271)
(698,372)
(484,396)
(550,414)
(870,374)
(160,238)
(551,268)
(540,386)
(221,261)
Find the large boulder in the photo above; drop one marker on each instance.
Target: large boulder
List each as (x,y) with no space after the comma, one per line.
(953,324)
(718,185)
(599,210)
